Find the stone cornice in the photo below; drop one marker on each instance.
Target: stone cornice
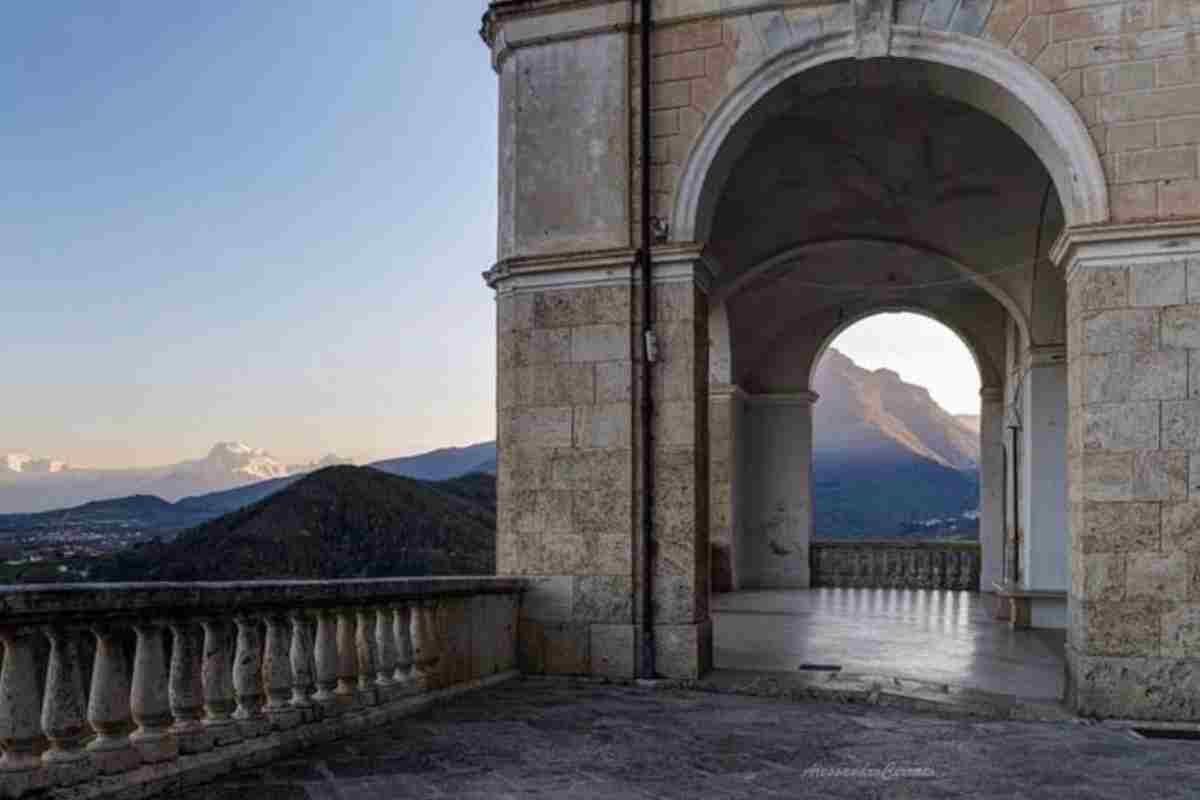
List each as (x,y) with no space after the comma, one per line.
(617,266)
(1121,245)
(783,399)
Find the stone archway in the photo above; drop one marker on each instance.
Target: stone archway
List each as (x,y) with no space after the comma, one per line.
(1028,91)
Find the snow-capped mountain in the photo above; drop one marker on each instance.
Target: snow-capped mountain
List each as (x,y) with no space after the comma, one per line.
(28,484)
(24,462)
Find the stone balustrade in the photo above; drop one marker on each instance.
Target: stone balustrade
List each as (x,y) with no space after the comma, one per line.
(895,564)
(112,690)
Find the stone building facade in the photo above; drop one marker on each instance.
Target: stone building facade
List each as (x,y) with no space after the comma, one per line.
(1025,171)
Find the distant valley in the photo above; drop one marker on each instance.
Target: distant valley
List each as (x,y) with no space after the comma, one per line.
(887,461)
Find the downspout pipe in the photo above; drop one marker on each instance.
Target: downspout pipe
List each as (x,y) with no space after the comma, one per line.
(646,665)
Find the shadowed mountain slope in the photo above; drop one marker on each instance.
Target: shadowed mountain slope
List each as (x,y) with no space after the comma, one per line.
(338,522)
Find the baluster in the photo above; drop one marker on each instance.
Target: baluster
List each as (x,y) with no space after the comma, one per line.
(64,710)
(301,656)
(385,652)
(108,704)
(347,660)
(247,677)
(326,660)
(879,568)
(186,688)
(20,706)
(277,675)
(148,699)
(425,654)
(404,649)
(217,676)
(364,646)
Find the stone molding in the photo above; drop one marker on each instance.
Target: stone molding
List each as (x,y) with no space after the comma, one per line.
(991,394)
(726,391)
(783,399)
(1107,246)
(618,267)
(1047,355)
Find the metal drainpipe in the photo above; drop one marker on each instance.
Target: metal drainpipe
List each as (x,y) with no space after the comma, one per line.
(646,662)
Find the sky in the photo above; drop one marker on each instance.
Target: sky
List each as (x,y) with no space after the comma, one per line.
(262,222)
(923,351)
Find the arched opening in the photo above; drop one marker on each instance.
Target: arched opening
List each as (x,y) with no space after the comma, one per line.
(835,190)
(896,440)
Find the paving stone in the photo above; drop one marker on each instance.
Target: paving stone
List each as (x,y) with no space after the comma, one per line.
(561,738)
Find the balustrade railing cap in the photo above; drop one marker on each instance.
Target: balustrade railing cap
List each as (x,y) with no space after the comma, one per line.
(29,602)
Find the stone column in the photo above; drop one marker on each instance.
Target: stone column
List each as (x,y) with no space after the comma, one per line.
(64,709)
(777,496)
(216,672)
(186,689)
(277,674)
(404,647)
(300,655)
(1043,465)
(347,660)
(20,730)
(247,677)
(1133,644)
(725,431)
(325,659)
(364,647)
(991,486)
(108,703)
(149,697)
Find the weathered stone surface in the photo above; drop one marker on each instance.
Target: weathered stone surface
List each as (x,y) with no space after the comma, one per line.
(1161,578)
(1124,330)
(1134,688)
(1161,284)
(1102,576)
(1181,526)
(614,650)
(1181,326)
(603,599)
(1103,288)
(1160,475)
(1107,476)
(604,426)
(1181,632)
(1109,527)
(1125,377)
(1121,426)
(1120,627)
(1181,425)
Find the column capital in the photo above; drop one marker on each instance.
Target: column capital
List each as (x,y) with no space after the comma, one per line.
(1100,246)
(991,394)
(1047,355)
(805,398)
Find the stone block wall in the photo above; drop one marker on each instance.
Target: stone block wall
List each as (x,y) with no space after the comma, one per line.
(1131,69)
(568,474)
(1134,460)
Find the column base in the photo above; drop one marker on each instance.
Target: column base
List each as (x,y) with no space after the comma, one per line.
(612,651)
(1133,687)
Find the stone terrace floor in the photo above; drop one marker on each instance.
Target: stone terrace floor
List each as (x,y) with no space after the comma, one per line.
(930,635)
(546,738)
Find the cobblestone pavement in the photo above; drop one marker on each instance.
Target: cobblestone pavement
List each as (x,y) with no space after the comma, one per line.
(552,739)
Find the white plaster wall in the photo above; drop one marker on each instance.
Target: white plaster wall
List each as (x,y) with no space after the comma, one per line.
(776,525)
(991,488)
(1044,477)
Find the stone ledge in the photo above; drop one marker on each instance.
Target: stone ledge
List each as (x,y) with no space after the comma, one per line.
(192,770)
(33,603)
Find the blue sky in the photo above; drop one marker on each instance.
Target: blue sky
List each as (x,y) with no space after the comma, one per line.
(244,220)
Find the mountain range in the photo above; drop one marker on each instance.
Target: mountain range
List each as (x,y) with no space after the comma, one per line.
(337,522)
(887,459)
